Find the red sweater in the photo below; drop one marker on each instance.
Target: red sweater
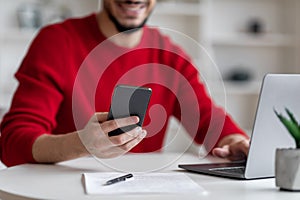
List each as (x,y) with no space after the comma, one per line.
(66,77)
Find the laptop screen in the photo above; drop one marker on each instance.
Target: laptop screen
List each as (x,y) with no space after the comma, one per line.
(279,91)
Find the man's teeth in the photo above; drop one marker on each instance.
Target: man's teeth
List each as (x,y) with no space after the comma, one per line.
(133,9)
(133,2)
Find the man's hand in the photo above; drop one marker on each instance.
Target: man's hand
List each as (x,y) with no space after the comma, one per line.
(96,140)
(232,147)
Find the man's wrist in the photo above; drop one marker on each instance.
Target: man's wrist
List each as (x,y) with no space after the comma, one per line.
(56,148)
(73,147)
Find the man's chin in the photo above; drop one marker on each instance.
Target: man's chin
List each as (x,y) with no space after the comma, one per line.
(125,28)
(129,29)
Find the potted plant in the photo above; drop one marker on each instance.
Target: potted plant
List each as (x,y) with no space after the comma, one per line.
(287,161)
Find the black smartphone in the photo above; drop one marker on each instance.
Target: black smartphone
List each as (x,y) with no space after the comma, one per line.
(128,101)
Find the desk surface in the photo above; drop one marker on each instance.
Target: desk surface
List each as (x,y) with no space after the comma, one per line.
(64,180)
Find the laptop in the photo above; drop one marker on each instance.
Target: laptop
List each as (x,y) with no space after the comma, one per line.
(278,91)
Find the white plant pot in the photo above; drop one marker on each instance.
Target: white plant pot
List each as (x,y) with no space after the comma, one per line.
(287,169)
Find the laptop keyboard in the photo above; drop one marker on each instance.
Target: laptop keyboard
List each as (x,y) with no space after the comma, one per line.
(235,170)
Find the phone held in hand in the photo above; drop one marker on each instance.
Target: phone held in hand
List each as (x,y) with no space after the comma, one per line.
(129,101)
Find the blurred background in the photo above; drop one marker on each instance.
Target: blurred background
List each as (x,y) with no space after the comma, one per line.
(20,20)
(246,39)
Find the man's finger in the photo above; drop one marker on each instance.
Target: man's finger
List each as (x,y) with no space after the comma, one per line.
(101,116)
(221,152)
(129,145)
(126,137)
(111,125)
(120,150)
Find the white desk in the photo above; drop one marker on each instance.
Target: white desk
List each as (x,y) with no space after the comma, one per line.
(64,180)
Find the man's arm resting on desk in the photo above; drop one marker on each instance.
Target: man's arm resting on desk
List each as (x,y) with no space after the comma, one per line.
(233,147)
(56,148)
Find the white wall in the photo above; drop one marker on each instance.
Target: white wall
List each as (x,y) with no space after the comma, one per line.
(14,40)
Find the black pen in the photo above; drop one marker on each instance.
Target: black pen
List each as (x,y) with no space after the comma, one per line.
(119,179)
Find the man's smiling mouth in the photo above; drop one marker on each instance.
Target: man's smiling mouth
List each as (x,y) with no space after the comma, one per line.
(131,5)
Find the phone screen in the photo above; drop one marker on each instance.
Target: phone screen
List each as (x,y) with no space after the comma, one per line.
(129,101)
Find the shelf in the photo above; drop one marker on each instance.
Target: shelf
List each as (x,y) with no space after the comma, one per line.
(238,88)
(251,40)
(193,8)
(242,88)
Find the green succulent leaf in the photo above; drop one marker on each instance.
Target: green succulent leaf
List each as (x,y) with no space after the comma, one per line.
(291,125)
(291,116)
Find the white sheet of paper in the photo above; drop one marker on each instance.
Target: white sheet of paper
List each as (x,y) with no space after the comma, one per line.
(140,183)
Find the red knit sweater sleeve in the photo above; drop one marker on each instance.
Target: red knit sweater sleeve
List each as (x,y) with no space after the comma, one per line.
(34,115)
(214,123)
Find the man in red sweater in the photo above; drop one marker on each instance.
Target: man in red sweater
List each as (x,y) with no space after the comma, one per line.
(66,82)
